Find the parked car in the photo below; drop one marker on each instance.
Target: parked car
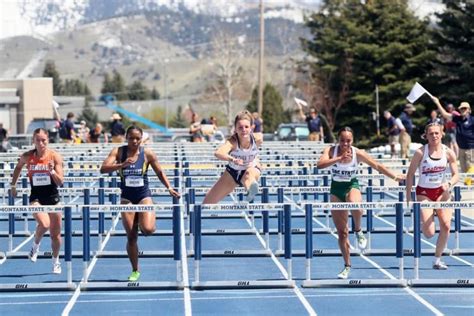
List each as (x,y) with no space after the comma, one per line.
(49,124)
(292,131)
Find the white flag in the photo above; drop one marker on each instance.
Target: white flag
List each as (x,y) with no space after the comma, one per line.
(416,92)
(301,102)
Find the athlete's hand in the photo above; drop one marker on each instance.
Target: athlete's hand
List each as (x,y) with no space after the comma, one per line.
(346,155)
(127,162)
(173,192)
(238,161)
(400,177)
(13,191)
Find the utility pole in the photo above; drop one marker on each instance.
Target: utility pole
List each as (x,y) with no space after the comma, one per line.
(377,112)
(260,61)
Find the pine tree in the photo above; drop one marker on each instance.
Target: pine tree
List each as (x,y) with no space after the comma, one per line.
(358,45)
(119,86)
(454,73)
(155,95)
(273,113)
(178,121)
(50,71)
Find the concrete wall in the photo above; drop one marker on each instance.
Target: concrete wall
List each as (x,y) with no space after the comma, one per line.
(36,97)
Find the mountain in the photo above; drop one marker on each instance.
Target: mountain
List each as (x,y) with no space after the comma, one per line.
(42,17)
(172,50)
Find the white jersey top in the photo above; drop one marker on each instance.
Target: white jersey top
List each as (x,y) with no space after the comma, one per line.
(432,171)
(345,172)
(247,155)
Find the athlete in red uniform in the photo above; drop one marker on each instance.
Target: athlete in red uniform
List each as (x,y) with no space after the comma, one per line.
(45,171)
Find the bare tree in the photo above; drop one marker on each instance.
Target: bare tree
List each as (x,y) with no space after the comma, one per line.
(227,72)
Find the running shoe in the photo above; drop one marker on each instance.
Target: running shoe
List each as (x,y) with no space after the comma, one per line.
(252,192)
(134,276)
(361,240)
(57,268)
(344,274)
(33,254)
(440,266)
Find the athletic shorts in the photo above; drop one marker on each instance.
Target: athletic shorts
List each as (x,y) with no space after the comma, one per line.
(431,193)
(237,175)
(135,196)
(45,199)
(340,189)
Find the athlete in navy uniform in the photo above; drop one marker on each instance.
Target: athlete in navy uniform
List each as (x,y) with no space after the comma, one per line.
(132,161)
(241,151)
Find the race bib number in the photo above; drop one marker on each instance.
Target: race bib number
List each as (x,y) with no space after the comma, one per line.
(41,179)
(134,182)
(435,179)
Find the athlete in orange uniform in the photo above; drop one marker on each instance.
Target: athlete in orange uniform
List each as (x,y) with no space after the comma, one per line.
(45,171)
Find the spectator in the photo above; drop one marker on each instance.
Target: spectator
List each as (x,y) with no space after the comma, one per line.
(82,133)
(116,129)
(434,118)
(257,125)
(315,125)
(3,138)
(94,134)
(195,129)
(68,135)
(393,132)
(406,131)
(464,134)
(209,128)
(450,130)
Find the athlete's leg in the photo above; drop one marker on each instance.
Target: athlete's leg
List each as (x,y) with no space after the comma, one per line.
(221,189)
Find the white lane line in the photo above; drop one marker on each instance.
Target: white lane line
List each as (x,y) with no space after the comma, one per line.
(426,242)
(77,292)
(385,272)
(184,264)
(361,293)
(297,291)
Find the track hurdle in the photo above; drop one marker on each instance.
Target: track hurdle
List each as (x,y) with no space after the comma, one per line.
(140,285)
(244,283)
(310,252)
(417,281)
(47,286)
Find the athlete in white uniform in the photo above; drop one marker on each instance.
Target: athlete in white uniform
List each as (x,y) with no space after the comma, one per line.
(343,160)
(432,161)
(241,151)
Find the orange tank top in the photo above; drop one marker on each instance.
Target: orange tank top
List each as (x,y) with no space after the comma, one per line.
(38,168)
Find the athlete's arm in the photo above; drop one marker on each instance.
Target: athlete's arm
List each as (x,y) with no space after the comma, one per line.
(17,172)
(325,161)
(222,153)
(57,171)
(110,163)
(415,162)
(153,161)
(452,161)
(362,156)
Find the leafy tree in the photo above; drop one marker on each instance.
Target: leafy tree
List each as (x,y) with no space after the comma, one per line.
(138,91)
(50,71)
(358,45)
(273,113)
(454,72)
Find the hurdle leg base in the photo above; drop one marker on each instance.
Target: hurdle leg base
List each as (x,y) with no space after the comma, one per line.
(243,284)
